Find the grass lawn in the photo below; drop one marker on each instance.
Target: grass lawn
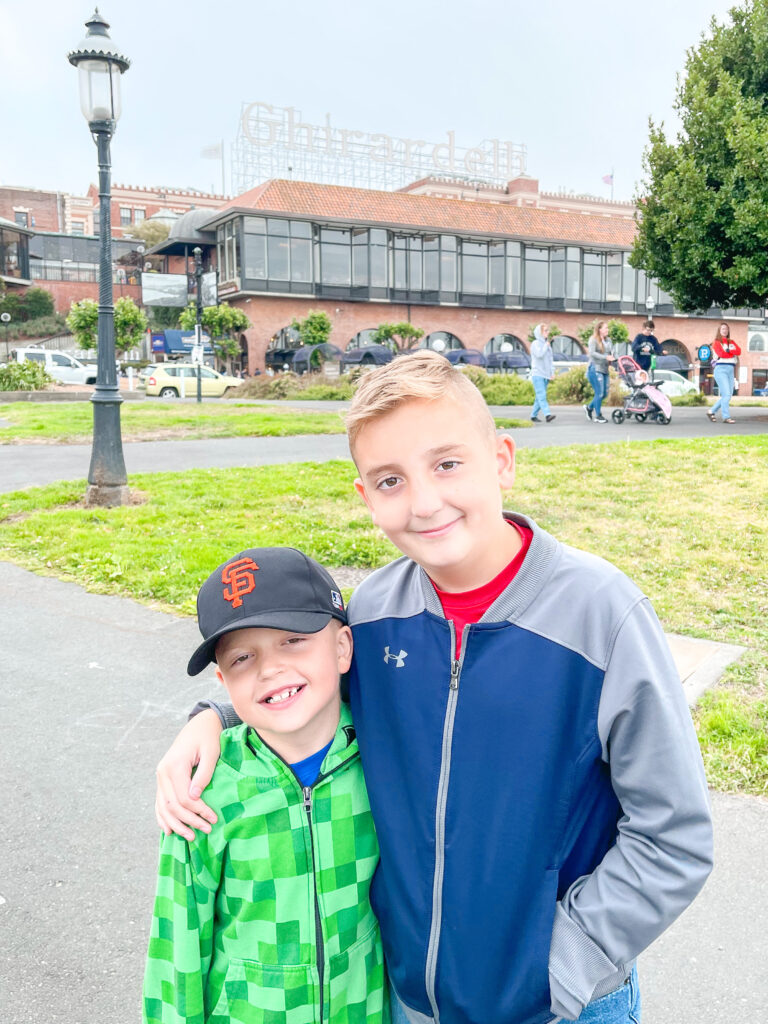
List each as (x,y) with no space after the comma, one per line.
(72,422)
(687,520)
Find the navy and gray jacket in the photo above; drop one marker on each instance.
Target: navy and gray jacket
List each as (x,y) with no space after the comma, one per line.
(540,803)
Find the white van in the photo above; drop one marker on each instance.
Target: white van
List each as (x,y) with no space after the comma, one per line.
(60,365)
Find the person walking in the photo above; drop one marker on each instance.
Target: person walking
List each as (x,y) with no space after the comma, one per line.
(726,353)
(600,356)
(646,346)
(542,372)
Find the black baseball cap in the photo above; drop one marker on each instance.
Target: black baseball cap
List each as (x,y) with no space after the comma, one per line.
(276,588)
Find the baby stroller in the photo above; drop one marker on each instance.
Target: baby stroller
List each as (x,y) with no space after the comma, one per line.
(645,401)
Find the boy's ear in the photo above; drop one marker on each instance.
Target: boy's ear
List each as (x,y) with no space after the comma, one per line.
(344,649)
(505,461)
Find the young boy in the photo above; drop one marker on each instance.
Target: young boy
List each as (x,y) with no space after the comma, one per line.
(268,917)
(646,346)
(532,767)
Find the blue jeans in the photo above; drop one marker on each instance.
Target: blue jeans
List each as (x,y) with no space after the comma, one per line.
(619,1007)
(724,381)
(599,382)
(540,388)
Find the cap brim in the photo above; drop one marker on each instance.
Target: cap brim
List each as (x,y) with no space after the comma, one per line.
(292,622)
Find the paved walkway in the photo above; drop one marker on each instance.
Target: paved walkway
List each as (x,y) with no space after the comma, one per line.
(27,465)
(94,688)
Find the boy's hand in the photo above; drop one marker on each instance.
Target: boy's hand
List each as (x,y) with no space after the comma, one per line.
(178,807)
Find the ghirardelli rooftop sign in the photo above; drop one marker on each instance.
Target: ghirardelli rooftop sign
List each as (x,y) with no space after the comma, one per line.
(266,130)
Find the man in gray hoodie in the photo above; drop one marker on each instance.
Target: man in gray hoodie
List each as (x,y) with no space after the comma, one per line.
(541,371)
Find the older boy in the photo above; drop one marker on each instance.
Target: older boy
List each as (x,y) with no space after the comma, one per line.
(268,917)
(533,771)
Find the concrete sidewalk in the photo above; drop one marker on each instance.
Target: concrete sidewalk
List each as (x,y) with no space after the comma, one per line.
(95,688)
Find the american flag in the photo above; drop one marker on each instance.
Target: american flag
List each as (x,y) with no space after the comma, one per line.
(608,178)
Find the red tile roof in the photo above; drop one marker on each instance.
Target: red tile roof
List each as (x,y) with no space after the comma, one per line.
(328,203)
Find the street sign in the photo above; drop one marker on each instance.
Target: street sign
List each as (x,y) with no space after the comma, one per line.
(704,353)
(197,353)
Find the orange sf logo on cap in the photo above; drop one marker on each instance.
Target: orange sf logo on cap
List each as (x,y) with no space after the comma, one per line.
(239,576)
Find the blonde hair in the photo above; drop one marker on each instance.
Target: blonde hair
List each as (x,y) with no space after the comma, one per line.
(423,375)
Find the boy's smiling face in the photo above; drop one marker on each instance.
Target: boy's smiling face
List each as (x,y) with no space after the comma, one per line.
(286,685)
(431,473)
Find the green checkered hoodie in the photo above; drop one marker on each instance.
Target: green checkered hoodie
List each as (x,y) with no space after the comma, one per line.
(267,920)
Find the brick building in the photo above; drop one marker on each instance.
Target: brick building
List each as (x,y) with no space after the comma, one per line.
(63,213)
(475,270)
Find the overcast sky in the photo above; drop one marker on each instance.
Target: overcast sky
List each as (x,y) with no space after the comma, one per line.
(573,81)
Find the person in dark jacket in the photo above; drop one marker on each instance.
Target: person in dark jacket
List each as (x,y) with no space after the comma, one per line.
(645,346)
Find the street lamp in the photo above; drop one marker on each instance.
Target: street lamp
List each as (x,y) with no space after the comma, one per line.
(197,252)
(650,305)
(100,65)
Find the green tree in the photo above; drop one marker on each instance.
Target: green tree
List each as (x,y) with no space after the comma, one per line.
(401,336)
(222,323)
(164,316)
(130,323)
(314,329)
(618,331)
(150,232)
(702,229)
(37,302)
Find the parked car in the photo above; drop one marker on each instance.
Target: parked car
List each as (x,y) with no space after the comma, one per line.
(672,383)
(166,381)
(367,355)
(760,392)
(60,365)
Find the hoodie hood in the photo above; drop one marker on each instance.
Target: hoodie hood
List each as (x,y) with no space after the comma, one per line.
(537,335)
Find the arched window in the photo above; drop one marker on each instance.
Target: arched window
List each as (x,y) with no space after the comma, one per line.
(504,343)
(672,347)
(285,338)
(362,338)
(757,342)
(566,347)
(441,341)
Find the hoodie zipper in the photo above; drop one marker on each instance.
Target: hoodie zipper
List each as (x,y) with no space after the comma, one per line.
(319,947)
(306,792)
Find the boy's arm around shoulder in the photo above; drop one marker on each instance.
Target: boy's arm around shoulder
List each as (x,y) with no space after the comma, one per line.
(663,853)
(181,935)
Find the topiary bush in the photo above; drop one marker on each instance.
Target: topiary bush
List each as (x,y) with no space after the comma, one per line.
(26,376)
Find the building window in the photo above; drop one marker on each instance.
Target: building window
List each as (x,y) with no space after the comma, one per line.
(448,264)
(21,218)
(536,272)
(593,277)
(573,274)
(138,216)
(335,262)
(628,282)
(78,228)
(474,268)
(557,273)
(360,257)
(126,216)
(613,261)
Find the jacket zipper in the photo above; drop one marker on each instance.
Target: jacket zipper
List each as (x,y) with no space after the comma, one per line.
(430,972)
(319,948)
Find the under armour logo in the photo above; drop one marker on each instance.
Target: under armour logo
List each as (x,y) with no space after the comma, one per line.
(239,576)
(399,659)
